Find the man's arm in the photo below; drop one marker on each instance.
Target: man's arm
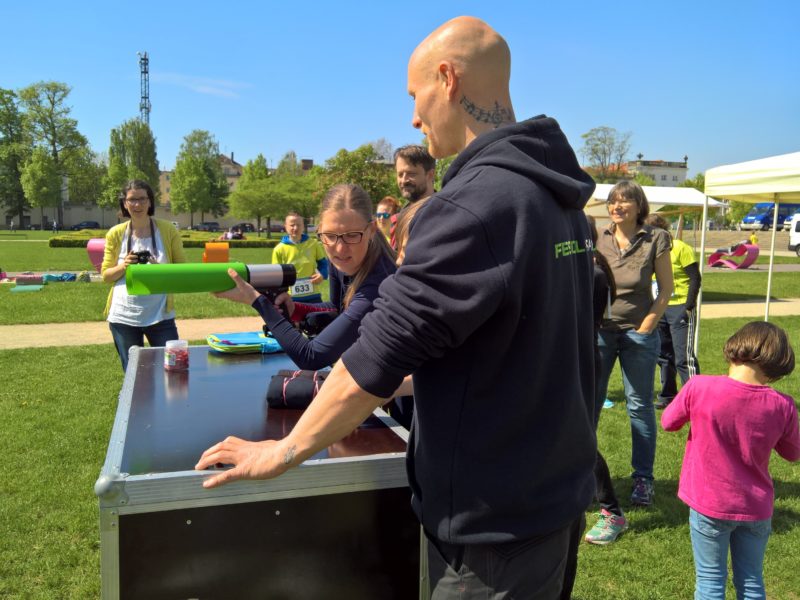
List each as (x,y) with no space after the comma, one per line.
(339,407)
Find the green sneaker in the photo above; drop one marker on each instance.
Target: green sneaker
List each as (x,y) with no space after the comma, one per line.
(607,529)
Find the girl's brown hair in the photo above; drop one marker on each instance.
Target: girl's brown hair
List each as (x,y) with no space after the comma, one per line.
(764,345)
(353,197)
(632,191)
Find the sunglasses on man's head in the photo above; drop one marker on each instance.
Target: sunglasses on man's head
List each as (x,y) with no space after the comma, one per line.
(382,215)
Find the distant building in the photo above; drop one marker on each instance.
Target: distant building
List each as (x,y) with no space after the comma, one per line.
(664,173)
(231,169)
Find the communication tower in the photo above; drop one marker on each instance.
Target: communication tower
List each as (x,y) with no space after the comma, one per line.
(144,102)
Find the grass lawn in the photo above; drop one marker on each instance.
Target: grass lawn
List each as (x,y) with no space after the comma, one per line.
(57,406)
(72,302)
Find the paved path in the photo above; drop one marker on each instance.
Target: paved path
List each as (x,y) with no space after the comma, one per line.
(81,334)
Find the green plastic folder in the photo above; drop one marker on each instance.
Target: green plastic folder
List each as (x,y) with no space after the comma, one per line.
(181,278)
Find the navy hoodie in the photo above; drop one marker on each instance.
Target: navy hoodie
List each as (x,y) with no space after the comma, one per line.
(492,313)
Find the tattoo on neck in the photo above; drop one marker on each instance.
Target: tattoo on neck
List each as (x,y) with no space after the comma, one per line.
(496,116)
(289,456)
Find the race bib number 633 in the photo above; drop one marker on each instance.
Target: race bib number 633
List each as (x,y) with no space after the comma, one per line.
(302,287)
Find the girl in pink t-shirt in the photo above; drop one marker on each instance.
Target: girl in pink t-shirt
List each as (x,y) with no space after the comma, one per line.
(736,422)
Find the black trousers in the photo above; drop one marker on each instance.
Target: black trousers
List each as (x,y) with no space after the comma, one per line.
(539,568)
(676,329)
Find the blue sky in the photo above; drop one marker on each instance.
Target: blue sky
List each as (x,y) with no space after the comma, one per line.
(717,81)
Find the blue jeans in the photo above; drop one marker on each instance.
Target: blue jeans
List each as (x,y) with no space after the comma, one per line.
(637,354)
(126,336)
(710,541)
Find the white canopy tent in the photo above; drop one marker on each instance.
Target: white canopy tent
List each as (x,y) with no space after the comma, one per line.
(656,197)
(773,179)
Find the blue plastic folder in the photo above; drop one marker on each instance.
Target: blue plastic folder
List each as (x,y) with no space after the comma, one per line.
(250,342)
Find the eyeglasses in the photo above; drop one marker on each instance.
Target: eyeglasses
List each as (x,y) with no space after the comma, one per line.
(351,237)
(620,202)
(137,200)
(382,215)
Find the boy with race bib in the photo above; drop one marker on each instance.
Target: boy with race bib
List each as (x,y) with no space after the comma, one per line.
(308,257)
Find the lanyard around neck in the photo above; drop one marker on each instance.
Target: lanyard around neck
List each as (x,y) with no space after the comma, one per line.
(152,237)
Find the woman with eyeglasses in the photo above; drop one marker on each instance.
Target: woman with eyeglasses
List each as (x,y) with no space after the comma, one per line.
(142,239)
(634,251)
(360,259)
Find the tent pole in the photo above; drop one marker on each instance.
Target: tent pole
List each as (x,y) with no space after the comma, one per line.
(771,255)
(702,264)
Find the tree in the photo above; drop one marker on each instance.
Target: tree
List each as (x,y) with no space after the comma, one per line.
(206,178)
(442,165)
(131,155)
(41,181)
(643,179)
(605,150)
(383,149)
(191,191)
(88,176)
(15,149)
(289,166)
(253,170)
(51,127)
(698,182)
(362,166)
(259,199)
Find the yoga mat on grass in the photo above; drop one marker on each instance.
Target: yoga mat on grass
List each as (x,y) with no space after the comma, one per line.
(26,288)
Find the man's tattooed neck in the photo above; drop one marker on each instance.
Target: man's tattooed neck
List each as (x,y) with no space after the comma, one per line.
(495,116)
(289,456)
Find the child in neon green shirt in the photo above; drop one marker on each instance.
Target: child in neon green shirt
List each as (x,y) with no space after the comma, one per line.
(308,257)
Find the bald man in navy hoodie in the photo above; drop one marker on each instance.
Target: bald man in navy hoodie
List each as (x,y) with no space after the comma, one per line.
(491,311)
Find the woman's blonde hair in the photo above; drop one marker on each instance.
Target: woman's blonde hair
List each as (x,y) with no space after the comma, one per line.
(353,197)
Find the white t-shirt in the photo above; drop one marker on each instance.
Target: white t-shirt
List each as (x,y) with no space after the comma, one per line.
(139,311)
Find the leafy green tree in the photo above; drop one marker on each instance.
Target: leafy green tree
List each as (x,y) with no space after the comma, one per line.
(202,150)
(289,166)
(253,170)
(131,155)
(88,174)
(15,149)
(442,165)
(259,199)
(643,179)
(41,181)
(362,166)
(605,149)
(191,191)
(51,127)
(698,182)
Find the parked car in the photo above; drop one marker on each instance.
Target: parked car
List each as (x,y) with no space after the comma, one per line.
(245,227)
(274,227)
(762,214)
(86,225)
(207,226)
(790,221)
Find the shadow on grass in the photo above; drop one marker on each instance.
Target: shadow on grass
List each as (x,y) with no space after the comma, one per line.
(669,511)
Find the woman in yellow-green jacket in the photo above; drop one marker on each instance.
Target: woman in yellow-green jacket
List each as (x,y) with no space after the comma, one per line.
(142,239)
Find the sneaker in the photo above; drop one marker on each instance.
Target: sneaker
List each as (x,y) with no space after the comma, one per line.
(643,491)
(607,529)
(662,403)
